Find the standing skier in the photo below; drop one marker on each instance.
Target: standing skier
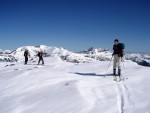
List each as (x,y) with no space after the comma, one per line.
(118,52)
(26,55)
(40,55)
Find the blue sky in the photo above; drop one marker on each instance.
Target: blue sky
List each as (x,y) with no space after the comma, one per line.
(75,24)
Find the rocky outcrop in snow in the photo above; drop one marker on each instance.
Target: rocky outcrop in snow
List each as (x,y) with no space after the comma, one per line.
(140,59)
(7,58)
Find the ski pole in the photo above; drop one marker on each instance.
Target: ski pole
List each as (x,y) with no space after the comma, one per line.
(124,69)
(108,65)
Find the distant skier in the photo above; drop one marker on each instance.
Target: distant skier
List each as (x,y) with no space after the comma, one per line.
(40,55)
(26,55)
(118,53)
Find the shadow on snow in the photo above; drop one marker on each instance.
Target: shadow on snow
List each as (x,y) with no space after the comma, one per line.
(92,74)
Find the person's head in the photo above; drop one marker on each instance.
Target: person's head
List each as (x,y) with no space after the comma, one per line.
(40,51)
(116,41)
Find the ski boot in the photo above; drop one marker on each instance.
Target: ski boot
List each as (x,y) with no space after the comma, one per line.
(114,75)
(119,74)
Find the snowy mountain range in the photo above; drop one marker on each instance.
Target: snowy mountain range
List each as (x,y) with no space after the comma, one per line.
(89,55)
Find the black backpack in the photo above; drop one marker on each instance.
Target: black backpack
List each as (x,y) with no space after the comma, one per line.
(122,45)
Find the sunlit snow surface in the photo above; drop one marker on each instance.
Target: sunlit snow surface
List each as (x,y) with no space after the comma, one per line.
(62,87)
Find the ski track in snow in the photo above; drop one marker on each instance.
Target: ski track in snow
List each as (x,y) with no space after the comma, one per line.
(123,97)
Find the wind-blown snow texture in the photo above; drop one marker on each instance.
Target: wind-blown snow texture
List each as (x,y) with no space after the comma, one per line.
(63,87)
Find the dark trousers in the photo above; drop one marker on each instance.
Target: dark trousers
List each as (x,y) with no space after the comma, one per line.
(26,60)
(41,59)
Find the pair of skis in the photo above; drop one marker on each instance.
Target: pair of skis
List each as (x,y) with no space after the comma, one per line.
(119,78)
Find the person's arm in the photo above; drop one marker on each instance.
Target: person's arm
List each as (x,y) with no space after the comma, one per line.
(113,51)
(123,51)
(29,55)
(24,53)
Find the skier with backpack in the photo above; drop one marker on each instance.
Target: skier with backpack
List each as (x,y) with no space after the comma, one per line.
(118,52)
(40,55)
(26,55)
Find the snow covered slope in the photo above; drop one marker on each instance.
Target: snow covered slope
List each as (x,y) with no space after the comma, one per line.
(63,87)
(19,53)
(50,51)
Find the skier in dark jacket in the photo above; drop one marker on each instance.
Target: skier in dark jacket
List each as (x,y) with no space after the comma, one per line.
(118,54)
(40,55)
(26,55)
